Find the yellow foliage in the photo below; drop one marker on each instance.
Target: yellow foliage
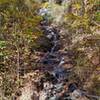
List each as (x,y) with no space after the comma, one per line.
(50,5)
(77,6)
(6,1)
(45,5)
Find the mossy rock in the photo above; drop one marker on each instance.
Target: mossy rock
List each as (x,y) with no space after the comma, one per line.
(95,89)
(42,44)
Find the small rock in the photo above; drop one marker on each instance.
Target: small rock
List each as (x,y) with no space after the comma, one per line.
(43,95)
(72,87)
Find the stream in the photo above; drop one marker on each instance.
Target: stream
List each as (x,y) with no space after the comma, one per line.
(55,84)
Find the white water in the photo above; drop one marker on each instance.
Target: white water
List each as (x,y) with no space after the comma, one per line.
(54,41)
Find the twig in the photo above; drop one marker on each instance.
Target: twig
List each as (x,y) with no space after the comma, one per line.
(88,95)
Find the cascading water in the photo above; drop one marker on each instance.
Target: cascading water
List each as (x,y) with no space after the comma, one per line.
(54,82)
(58,73)
(54,85)
(54,41)
(57,79)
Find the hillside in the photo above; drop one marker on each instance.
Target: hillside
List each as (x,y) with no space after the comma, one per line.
(49,50)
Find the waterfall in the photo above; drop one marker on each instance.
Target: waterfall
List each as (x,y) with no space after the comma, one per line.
(54,41)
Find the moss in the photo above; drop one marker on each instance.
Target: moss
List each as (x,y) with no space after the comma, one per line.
(95,88)
(97,16)
(42,44)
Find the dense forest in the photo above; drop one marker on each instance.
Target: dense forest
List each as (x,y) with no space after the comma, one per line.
(49,50)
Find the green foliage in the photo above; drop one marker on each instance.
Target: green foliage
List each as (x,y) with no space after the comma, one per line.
(5,1)
(2,44)
(21,34)
(19,31)
(97,16)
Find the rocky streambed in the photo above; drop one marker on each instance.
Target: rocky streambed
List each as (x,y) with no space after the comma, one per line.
(53,80)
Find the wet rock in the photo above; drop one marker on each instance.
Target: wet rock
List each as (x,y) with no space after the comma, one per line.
(53,98)
(51,61)
(44,23)
(43,11)
(43,95)
(67,66)
(50,77)
(44,44)
(59,73)
(48,85)
(72,87)
(76,94)
(18,93)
